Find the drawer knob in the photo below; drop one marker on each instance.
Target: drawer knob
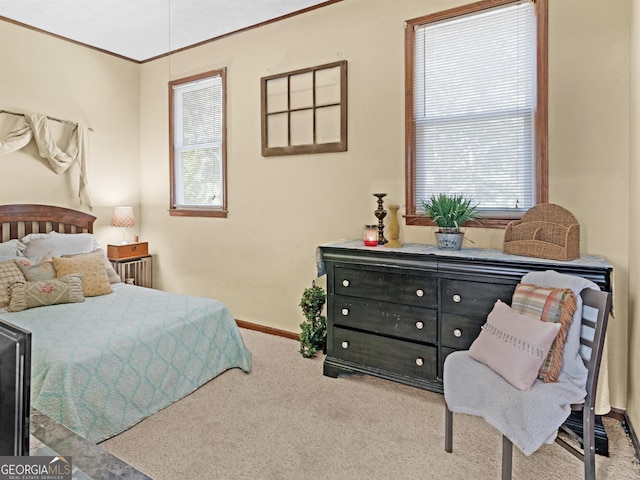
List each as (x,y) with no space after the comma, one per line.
(419,325)
(456,298)
(457,333)
(345,311)
(420,292)
(345,283)
(345,344)
(419,361)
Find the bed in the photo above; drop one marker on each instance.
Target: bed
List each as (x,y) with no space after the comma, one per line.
(101,365)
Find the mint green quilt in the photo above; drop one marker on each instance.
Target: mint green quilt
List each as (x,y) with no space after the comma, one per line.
(101,366)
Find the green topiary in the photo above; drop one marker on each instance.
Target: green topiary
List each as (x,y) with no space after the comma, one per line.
(314,328)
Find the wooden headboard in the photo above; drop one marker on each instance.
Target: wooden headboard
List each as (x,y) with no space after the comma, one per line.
(19,220)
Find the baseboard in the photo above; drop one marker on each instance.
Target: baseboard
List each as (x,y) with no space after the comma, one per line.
(626,423)
(270,330)
(617,413)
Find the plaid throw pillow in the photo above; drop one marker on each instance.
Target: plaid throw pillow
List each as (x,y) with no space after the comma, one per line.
(555,305)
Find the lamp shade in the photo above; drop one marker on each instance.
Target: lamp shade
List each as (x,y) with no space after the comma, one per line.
(122,217)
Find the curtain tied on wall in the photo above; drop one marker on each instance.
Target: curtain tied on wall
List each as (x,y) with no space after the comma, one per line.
(35,125)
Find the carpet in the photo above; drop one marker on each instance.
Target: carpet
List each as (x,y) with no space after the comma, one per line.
(285,420)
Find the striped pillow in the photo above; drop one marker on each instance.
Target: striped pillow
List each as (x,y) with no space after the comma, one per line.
(555,305)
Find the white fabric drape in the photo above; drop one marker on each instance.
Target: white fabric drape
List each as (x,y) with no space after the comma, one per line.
(35,125)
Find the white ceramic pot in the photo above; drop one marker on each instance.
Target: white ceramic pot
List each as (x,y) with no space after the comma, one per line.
(449,241)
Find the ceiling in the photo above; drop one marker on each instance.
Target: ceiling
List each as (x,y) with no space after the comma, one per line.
(144,29)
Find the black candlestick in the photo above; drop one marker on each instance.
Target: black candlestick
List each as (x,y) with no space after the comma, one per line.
(380,213)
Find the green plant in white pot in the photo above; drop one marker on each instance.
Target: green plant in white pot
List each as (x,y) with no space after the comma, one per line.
(449,212)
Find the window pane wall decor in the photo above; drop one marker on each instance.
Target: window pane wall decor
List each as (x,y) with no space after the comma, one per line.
(305,111)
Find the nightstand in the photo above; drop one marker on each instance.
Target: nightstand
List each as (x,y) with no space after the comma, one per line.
(132,262)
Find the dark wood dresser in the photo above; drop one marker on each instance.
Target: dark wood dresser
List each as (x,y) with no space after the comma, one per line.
(396,313)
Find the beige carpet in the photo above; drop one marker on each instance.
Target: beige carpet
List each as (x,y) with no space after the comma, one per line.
(285,420)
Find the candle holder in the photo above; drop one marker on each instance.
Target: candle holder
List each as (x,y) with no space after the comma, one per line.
(380,213)
(394,228)
(371,235)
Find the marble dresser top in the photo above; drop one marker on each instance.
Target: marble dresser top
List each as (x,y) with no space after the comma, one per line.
(466,253)
(89,461)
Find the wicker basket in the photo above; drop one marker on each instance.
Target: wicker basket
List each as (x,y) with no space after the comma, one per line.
(545,231)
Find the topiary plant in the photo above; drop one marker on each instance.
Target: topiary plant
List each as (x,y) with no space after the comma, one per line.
(314,328)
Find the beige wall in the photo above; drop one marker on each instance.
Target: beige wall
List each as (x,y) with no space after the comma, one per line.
(42,74)
(259,259)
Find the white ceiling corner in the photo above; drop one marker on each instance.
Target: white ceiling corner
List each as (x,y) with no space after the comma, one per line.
(144,29)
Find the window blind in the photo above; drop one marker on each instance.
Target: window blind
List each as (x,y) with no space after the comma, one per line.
(198,137)
(474,106)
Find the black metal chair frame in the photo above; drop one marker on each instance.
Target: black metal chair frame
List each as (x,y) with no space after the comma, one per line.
(600,301)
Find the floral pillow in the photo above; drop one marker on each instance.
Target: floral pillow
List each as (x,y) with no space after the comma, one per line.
(25,295)
(91,266)
(556,305)
(37,269)
(111,273)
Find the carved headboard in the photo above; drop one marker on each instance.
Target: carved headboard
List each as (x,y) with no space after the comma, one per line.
(19,220)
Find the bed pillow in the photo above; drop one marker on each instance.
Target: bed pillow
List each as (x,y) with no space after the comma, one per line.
(91,266)
(12,248)
(25,295)
(513,345)
(58,244)
(111,273)
(556,305)
(36,269)
(9,273)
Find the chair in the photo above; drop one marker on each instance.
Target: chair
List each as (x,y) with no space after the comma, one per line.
(595,315)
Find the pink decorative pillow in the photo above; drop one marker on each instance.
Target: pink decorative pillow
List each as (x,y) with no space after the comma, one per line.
(37,269)
(556,305)
(513,345)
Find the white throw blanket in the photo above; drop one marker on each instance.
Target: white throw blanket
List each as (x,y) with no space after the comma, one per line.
(527,418)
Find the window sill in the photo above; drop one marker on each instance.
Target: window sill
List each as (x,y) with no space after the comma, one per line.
(197,212)
(483,223)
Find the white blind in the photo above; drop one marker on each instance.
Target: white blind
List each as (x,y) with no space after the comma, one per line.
(474,94)
(198,136)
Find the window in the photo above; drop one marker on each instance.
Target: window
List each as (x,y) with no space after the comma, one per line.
(477,109)
(198,145)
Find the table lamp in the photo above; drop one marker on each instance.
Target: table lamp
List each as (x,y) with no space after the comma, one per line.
(123,217)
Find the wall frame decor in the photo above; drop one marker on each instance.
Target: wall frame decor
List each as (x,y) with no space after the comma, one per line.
(305,111)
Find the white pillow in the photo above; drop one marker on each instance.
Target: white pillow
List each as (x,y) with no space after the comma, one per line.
(12,248)
(58,244)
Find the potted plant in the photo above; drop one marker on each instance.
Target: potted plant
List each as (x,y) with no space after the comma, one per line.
(449,212)
(314,329)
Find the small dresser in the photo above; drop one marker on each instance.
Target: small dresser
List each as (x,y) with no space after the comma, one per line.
(396,313)
(132,262)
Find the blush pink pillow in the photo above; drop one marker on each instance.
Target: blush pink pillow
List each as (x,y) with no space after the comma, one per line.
(513,345)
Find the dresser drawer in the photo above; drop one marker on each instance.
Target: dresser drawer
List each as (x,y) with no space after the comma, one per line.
(387,354)
(405,322)
(459,332)
(385,286)
(473,298)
